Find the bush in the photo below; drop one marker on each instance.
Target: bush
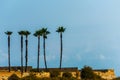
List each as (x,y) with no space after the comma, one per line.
(13,77)
(67,75)
(88,74)
(54,73)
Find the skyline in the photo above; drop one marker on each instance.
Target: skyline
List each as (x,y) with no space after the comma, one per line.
(92,35)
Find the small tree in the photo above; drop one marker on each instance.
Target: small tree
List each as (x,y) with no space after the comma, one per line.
(88,74)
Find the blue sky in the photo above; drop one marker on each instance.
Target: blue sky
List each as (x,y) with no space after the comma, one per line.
(92,34)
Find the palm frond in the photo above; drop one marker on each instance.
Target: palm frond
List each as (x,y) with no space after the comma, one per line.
(60,29)
(8,32)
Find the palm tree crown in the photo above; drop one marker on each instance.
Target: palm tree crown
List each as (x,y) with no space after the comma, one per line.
(45,32)
(21,32)
(8,33)
(38,33)
(26,33)
(60,29)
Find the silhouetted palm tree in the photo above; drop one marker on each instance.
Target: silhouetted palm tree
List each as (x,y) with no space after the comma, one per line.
(45,32)
(60,30)
(26,33)
(37,34)
(21,33)
(8,33)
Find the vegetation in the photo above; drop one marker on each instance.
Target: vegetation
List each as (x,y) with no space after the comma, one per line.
(30,77)
(26,33)
(37,34)
(33,77)
(60,30)
(21,33)
(53,78)
(54,73)
(45,32)
(8,33)
(88,74)
(41,32)
(67,75)
(13,77)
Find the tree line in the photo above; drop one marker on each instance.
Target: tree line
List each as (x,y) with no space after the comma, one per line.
(87,73)
(41,33)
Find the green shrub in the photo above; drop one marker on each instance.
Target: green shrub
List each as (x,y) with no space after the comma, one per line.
(88,74)
(67,75)
(13,77)
(54,73)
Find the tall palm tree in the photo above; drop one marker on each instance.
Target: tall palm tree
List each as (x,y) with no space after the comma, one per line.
(45,32)
(8,33)
(26,33)
(21,33)
(60,30)
(37,34)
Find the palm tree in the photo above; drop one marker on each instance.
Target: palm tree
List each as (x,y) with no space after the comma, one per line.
(60,30)
(21,33)
(37,34)
(45,32)
(26,33)
(8,33)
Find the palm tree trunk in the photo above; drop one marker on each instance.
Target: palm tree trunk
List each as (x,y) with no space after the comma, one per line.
(61,49)
(21,54)
(44,53)
(38,53)
(9,51)
(26,56)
